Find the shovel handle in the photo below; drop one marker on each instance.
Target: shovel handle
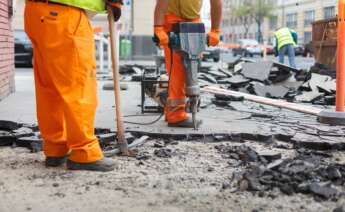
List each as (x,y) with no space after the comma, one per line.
(115,68)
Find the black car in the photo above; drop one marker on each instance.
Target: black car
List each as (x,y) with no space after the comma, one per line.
(23,49)
(211,54)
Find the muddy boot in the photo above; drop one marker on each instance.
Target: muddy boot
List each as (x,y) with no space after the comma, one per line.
(104,165)
(55,161)
(188,123)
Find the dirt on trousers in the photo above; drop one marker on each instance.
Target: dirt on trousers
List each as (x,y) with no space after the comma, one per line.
(191,176)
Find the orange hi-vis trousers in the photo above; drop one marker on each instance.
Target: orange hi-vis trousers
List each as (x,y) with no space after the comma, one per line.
(65,80)
(175,110)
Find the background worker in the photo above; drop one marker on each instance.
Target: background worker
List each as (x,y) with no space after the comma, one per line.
(286,40)
(65,80)
(167,13)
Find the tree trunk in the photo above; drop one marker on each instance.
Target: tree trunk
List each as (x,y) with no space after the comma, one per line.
(259,23)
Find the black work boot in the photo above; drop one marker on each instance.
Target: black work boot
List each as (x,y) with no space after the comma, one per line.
(55,161)
(188,123)
(104,165)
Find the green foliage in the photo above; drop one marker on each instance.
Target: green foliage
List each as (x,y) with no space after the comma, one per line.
(262,9)
(254,10)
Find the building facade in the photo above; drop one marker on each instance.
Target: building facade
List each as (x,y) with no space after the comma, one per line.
(295,14)
(7,85)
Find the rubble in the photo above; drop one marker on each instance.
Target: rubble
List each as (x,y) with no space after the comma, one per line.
(263,78)
(28,136)
(164,153)
(6,138)
(309,172)
(339,209)
(9,125)
(34,143)
(259,71)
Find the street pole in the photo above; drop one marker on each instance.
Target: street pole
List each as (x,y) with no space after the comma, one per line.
(338,117)
(340,100)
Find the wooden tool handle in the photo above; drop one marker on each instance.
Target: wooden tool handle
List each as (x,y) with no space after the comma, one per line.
(115,67)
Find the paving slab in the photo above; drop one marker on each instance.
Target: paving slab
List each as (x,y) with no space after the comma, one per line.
(309,96)
(257,71)
(274,91)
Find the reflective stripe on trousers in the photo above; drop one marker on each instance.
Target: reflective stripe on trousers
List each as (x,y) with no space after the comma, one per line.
(175,111)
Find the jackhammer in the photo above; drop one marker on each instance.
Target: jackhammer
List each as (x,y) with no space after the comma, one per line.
(189,40)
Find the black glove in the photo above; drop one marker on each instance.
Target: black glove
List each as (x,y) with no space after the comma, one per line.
(116,6)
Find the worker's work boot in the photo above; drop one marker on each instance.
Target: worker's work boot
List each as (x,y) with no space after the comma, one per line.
(55,161)
(188,123)
(104,165)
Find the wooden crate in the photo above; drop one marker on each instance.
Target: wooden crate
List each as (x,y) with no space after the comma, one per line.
(325,34)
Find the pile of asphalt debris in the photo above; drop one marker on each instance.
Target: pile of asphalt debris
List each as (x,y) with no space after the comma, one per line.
(264,78)
(25,135)
(273,80)
(267,173)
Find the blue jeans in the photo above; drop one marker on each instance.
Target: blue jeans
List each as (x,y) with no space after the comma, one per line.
(291,54)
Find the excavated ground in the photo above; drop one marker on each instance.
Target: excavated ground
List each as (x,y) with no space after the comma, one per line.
(190,176)
(183,170)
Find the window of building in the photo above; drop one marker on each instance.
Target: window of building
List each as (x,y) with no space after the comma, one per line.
(307,37)
(273,22)
(309,18)
(291,20)
(329,12)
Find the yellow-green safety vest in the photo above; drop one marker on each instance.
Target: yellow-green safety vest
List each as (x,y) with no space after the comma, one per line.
(92,5)
(284,37)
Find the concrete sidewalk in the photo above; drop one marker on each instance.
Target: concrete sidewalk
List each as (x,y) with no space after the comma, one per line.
(243,120)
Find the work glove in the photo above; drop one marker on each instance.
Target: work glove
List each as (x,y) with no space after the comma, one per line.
(116,6)
(213,37)
(161,38)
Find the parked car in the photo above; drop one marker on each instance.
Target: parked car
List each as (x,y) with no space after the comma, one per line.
(211,54)
(248,47)
(23,49)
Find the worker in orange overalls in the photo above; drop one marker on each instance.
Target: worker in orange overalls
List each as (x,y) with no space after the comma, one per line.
(65,80)
(168,12)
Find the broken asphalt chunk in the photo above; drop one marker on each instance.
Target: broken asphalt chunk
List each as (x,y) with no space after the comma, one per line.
(259,71)
(309,97)
(23,132)
(324,191)
(238,81)
(271,91)
(270,155)
(33,143)
(164,153)
(339,209)
(106,139)
(6,138)
(229,98)
(9,125)
(208,78)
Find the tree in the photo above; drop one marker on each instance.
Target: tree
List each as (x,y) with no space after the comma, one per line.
(260,10)
(244,14)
